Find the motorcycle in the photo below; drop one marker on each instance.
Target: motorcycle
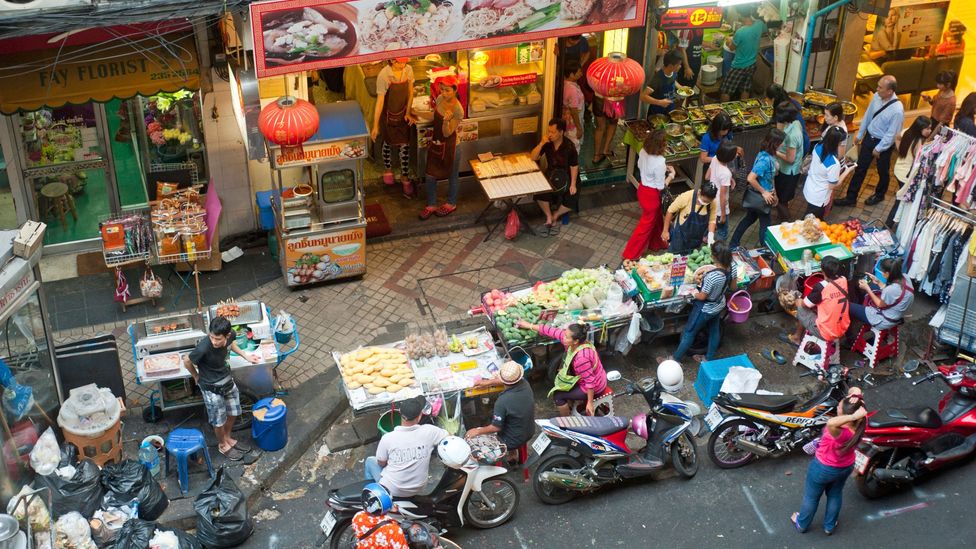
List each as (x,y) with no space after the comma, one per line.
(468,492)
(749,426)
(596,453)
(902,445)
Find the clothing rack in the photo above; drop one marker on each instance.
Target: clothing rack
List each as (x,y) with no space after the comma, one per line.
(945,131)
(952,210)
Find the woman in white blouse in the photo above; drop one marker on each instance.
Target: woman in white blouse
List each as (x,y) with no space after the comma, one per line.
(655,175)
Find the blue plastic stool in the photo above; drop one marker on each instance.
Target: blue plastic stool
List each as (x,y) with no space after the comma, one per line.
(184,443)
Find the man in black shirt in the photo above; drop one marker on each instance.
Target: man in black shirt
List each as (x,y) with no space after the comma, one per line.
(562,170)
(660,93)
(513,420)
(207,363)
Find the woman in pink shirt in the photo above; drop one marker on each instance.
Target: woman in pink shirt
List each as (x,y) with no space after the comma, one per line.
(583,360)
(833,463)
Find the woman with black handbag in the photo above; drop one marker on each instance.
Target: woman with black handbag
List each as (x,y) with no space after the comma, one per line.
(760,195)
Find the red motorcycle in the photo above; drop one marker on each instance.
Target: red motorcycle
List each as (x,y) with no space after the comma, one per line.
(901,445)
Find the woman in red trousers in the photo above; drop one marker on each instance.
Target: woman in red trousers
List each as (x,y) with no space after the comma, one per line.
(655,175)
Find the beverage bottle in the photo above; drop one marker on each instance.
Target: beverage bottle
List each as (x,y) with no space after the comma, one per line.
(149,457)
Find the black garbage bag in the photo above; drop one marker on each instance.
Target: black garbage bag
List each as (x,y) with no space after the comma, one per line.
(82,492)
(136,534)
(222,519)
(129,480)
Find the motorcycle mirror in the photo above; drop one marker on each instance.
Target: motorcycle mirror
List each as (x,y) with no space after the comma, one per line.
(613,375)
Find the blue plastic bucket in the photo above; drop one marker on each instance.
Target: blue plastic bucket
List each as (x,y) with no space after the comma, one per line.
(284,337)
(270,432)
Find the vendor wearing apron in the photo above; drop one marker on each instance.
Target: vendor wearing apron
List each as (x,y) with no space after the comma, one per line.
(392,119)
(660,93)
(441,157)
(696,210)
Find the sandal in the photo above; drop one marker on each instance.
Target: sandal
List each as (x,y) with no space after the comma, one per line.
(773,356)
(796,524)
(554,229)
(427,212)
(445,210)
(785,338)
(243,447)
(233,454)
(388,178)
(597,158)
(544,229)
(698,358)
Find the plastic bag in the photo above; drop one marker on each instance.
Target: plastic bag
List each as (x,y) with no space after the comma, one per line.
(72,532)
(45,456)
(130,480)
(634,330)
(106,523)
(36,512)
(512,225)
(142,534)
(81,493)
(150,285)
(741,380)
(222,519)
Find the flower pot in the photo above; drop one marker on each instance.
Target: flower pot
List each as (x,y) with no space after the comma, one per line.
(171,153)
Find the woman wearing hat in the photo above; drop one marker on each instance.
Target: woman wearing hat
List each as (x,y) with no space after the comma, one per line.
(513,420)
(392,119)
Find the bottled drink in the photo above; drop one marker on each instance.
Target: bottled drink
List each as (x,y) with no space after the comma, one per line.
(149,457)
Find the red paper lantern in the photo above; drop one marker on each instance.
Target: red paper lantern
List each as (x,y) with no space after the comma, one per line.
(612,78)
(289,121)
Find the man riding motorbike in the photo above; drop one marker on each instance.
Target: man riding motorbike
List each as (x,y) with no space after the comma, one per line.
(402,458)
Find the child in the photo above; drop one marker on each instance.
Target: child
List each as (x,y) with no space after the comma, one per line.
(721,178)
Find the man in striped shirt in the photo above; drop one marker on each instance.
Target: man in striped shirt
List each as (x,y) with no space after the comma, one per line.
(708,305)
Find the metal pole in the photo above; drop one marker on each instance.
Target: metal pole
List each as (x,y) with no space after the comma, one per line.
(808,40)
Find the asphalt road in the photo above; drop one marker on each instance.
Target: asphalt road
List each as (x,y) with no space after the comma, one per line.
(739,508)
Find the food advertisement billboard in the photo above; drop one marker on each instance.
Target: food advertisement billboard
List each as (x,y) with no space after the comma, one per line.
(325,256)
(297,35)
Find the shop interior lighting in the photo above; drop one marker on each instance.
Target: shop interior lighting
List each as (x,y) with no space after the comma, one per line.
(614,41)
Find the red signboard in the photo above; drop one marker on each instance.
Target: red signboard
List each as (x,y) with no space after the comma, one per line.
(691,18)
(297,35)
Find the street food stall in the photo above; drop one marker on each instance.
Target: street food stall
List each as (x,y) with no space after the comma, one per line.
(160,343)
(507,180)
(320,223)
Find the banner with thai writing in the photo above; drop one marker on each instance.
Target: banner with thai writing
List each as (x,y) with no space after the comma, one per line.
(709,17)
(297,35)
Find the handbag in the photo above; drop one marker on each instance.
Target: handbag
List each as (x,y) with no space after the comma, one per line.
(150,285)
(512,225)
(666,198)
(753,200)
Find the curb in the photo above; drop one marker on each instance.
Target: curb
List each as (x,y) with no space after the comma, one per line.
(312,416)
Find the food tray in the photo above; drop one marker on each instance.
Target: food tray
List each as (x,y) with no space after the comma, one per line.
(166,326)
(250,313)
(819,98)
(160,365)
(697,114)
(639,128)
(485,342)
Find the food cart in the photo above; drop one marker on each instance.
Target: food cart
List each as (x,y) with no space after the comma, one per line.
(160,343)
(320,222)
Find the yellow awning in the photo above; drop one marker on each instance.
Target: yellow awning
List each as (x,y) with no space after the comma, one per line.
(53,78)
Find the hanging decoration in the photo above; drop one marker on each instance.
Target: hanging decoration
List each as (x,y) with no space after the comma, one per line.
(289,122)
(612,79)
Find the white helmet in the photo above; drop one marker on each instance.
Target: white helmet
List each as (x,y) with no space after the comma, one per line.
(454,451)
(670,376)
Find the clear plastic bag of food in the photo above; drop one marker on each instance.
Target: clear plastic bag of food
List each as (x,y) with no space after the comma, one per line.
(46,455)
(72,532)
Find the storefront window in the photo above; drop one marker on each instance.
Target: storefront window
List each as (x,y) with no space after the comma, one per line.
(56,136)
(173,129)
(72,203)
(8,213)
(124,142)
(504,77)
(24,349)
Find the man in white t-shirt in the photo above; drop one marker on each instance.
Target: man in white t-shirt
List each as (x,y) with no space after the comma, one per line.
(403,456)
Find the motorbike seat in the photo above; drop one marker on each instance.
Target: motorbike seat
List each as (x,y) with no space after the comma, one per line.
(594,426)
(351,492)
(926,418)
(768,403)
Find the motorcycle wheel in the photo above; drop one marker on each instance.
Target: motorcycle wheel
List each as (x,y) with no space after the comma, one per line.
(448,544)
(547,493)
(343,536)
(684,456)
(503,495)
(721,448)
(868,485)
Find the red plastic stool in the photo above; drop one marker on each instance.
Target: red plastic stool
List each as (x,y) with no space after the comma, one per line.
(523,457)
(879,348)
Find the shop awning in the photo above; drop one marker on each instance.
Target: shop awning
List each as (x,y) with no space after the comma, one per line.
(97,72)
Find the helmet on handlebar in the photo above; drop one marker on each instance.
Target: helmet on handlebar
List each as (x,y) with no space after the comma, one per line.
(638,424)
(670,376)
(454,451)
(376,500)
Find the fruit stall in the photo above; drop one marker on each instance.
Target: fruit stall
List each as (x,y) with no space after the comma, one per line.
(799,246)
(436,364)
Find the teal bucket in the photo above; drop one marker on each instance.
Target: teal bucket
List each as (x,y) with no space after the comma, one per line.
(284,337)
(270,433)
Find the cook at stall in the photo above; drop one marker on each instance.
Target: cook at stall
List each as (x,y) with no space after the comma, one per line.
(660,92)
(693,213)
(393,117)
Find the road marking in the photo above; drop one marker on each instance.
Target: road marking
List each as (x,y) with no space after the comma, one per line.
(518,537)
(923,495)
(886,513)
(752,501)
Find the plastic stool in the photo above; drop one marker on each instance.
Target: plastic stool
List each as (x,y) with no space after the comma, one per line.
(816,361)
(184,443)
(604,398)
(523,457)
(878,349)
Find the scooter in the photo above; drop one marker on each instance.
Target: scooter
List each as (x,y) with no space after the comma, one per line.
(748,426)
(595,452)
(469,492)
(902,445)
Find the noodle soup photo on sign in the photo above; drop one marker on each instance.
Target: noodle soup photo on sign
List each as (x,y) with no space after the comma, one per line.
(302,35)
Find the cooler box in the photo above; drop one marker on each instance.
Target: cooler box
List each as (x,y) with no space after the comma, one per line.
(790,252)
(265,213)
(711,375)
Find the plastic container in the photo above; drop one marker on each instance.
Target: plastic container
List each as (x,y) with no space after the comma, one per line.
(812,281)
(387,421)
(89,411)
(270,425)
(740,303)
(284,337)
(265,212)
(711,375)
(149,457)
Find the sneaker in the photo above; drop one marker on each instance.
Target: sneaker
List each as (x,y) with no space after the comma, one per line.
(427,212)
(445,210)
